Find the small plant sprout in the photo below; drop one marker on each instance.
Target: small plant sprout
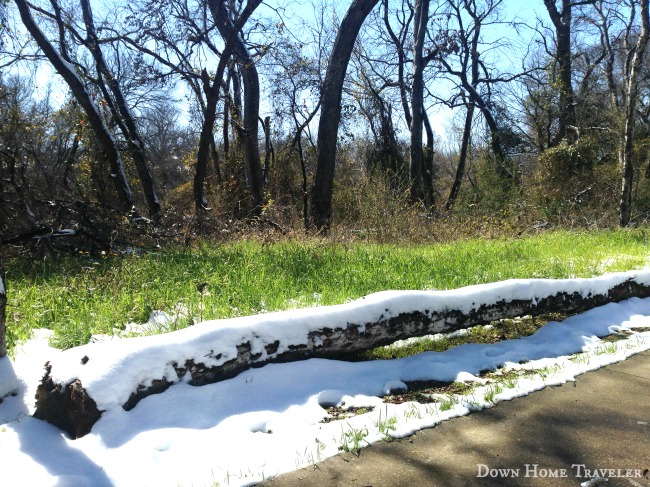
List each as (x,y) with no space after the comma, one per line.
(413,412)
(431,409)
(491,392)
(202,289)
(549,371)
(610,349)
(386,426)
(320,447)
(580,358)
(633,342)
(448,403)
(351,439)
(310,457)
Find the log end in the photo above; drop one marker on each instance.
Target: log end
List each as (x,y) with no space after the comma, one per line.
(68,407)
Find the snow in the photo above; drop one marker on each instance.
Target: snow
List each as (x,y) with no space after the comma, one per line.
(266,421)
(113,370)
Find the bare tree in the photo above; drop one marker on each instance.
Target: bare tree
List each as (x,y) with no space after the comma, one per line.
(562,20)
(462,61)
(248,132)
(296,76)
(631,96)
(62,63)
(399,39)
(420,21)
(462,157)
(176,37)
(119,106)
(330,116)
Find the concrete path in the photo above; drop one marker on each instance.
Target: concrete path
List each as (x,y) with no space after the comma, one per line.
(600,422)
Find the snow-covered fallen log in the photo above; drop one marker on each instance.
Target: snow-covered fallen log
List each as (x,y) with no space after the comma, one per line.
(84,382)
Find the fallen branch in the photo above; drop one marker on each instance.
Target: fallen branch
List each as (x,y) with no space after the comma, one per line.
(83,382)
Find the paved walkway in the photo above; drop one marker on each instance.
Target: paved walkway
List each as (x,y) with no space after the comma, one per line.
(602,421)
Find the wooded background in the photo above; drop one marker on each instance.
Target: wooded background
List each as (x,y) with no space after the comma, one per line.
(146,122)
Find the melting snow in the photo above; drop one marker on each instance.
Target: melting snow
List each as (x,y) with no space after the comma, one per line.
(267,421)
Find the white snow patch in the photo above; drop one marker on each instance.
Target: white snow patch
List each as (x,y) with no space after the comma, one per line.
(115,367)
(266,421)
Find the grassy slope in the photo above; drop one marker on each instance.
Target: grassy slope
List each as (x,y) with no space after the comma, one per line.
(80,296)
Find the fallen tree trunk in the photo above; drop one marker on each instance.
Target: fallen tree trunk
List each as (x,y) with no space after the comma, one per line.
(83,382)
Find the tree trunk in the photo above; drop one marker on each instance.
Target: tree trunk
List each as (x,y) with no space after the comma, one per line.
(495,135)
(428,175)
(416,170)
(269,151)
(328,126)
(567,110)
(105,139)
(212,91)
(350,329)
(226,128)
(132,134)
(610,56)
(206,137)
(631,90)
(3,309)
(401,62)
(462,158)
(249,131)
(215,160)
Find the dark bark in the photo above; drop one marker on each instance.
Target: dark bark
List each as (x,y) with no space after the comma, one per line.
(248,132)
(269,152)
(235,102)
(495,135)
(205,139)
(296,143)
(416,169)
(212,91)
(3,309)
(70,407)
(130,129)
(226,128)
(462,158)
(631,96)
(428,170)
(567,110)
(399,42)
(105,139)
(328,126)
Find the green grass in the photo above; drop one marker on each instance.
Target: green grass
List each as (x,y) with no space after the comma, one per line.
(506,329)
(79,296)
(351,439)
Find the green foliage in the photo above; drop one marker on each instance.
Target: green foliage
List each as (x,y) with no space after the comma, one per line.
(567,160)
(351,440)
(491,392)
(374,210)
(489,192)
(578,182)
(386,427)
(448,403)
(499,330)
(80,296)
